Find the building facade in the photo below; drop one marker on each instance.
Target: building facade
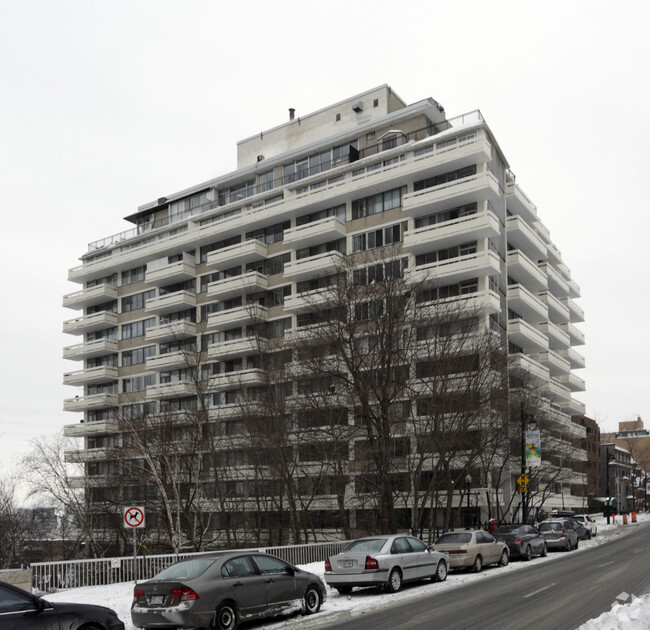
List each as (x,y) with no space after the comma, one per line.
(188,313)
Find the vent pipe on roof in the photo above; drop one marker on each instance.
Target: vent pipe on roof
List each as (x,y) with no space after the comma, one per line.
(292,113)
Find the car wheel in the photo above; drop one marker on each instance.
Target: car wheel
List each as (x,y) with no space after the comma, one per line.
(394,581)
(504,559)
(344,590)
(587,535)
(544,551)
(528,554)
(577,543)
(441,572)
(226,617)
(312,600)
(477,567)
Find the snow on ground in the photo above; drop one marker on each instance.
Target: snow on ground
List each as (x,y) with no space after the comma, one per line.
(634,615)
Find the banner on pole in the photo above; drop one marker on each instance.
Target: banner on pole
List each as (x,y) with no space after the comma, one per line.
(533,449)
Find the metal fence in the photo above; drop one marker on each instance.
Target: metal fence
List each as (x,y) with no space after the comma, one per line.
(54,576)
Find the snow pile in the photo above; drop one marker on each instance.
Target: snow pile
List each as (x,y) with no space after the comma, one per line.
(632,616)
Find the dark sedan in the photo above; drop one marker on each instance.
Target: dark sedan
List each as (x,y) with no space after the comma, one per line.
(20,610)
(219,590)
(523,541)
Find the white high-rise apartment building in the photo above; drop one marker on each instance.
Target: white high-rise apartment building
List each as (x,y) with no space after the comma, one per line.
(198,268)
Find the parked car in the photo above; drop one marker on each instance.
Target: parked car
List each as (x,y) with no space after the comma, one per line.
(559,534)
(219,590)
(385,561)
(20,610)
(588,522)
(473,549)
(584,533)
(523,541)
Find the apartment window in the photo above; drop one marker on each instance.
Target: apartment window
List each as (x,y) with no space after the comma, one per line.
(137,329)
(237,192)
(464,249)
(270,266)
(133,275)
(271,234)
(109,307)
(380,272)
(323,248)
(136,301)
(446,215)
(213,247)
(138,410)
(107,361)
(138,383)
(277,328)
(175,376)
(338,211)
(137,356)
(377,238)
(445,178)
(187,207)
(188,285)
(320,162)
(102,388)
(188,315)
(111,280)
(108,333)
(377,203)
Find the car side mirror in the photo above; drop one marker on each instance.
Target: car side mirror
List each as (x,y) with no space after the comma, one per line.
(432,548)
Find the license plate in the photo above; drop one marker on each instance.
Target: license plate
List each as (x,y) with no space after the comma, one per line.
(348,563)
(156,600)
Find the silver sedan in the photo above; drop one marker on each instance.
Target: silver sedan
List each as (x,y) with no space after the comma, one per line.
(385,561)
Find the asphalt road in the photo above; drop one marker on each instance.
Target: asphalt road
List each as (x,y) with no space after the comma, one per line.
(558,595)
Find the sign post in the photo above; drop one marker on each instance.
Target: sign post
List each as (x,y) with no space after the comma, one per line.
(134,519)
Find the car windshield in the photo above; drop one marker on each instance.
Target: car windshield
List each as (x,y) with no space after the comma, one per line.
(454,538)
(367,544)
(186,569)
(508,529)
(550,527)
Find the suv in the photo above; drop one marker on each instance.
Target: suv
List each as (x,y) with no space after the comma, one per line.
(559,534)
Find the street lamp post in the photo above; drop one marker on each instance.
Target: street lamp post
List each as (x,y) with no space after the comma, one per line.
(468,485)
(524,489)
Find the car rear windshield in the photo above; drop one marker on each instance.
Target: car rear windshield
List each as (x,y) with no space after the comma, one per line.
(369,544)
(459,538)
(186,569)
(546,527)
(508,529)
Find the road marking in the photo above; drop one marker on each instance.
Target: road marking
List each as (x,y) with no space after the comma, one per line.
(540,590)
(606,563)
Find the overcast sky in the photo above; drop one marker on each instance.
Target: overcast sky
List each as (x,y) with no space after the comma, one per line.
(107,105)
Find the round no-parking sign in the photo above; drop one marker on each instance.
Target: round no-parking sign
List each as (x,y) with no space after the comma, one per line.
(134,517)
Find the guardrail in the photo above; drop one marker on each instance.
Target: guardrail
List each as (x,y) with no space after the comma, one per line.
(54,576)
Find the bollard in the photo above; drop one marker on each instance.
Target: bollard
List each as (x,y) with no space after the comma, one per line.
(634,517)
(624,519)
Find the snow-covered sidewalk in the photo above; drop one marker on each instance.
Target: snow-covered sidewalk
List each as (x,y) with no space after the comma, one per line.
(634,615)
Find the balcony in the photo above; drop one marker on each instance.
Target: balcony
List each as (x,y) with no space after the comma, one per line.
(170,331)
(87,455)
(172,361)
(89,429)
(555,282)
(468,228)
(576,314)
(90,349)
(321,231)
(239,254)
(576,336)
(526,304)
(161,272)
(574,289)
(309,301)
(576,360)
(241,316)
(525,271)
(523,237)
(313,266)
(537,372)
(90,376)
(90,296)
(558,313)
(450,195)
(484,302)
(234,380)
(171,302)
(518,202)
(526,336)
(574,407)
(89,403)
(251,282)
(456,269)
(90,323)
(573,382)
(222,350)
(557,338)
(557,393)
(175,389)
(554,362)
